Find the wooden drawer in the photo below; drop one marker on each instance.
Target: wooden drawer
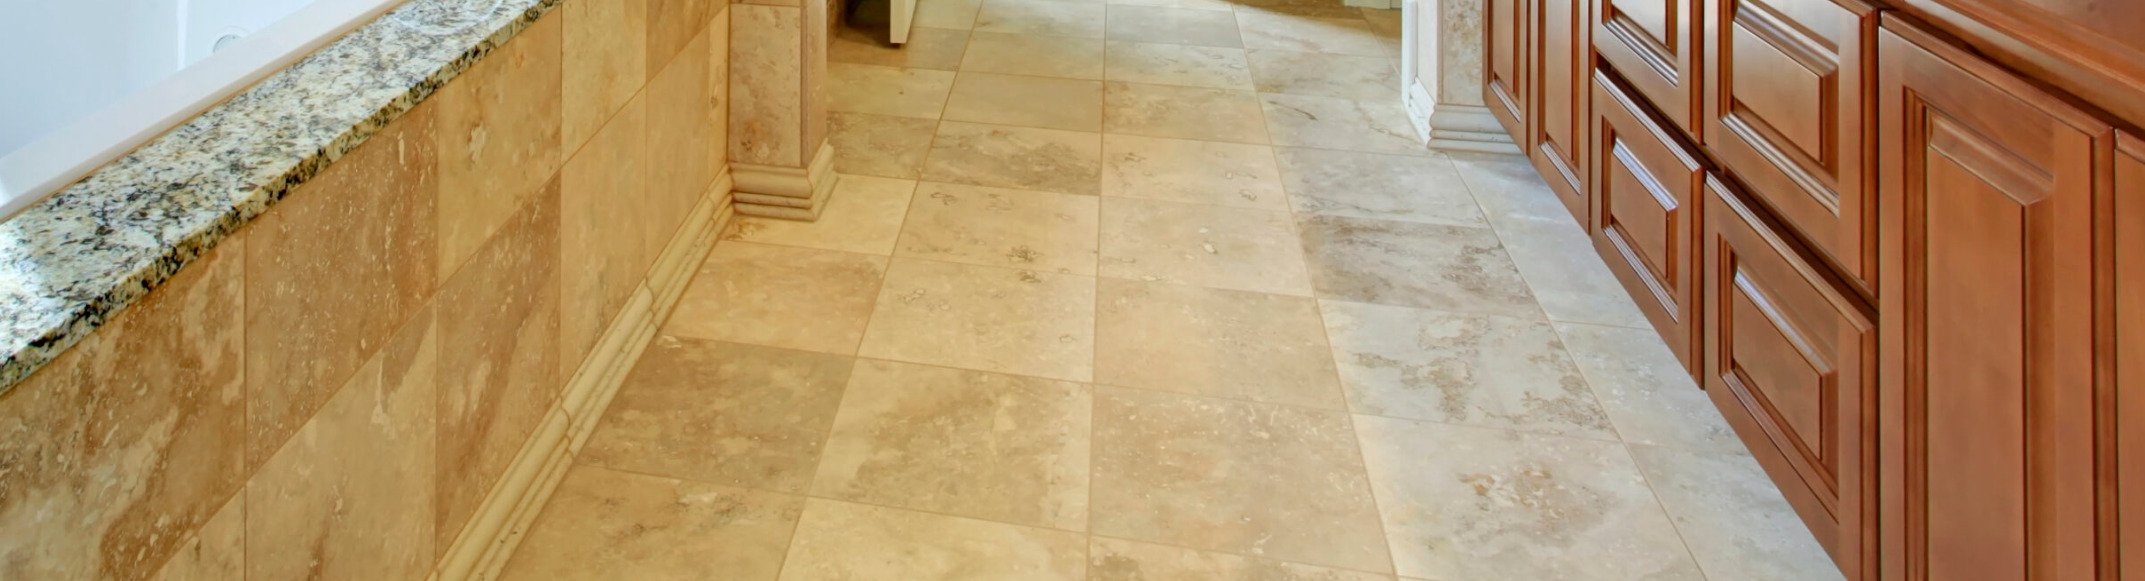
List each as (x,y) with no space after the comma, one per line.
(1654,44)
(1790,360)
(1787,95)
(1646,187)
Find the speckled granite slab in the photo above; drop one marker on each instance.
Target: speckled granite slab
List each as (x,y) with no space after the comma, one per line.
(78,257)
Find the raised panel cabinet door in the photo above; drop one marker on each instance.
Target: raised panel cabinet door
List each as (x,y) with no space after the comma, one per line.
(1787,97)
(1987,394)
(1654,45)
(1645,215)
(1562,62)
(1505,71)
(1789,360)
(2129,351)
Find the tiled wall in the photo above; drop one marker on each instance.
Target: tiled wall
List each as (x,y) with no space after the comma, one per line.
(332,392)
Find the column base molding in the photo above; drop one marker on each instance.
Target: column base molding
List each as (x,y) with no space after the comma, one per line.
(788,193)
(1468,128)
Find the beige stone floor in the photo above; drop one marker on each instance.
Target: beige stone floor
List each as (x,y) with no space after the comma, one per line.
(1160,289)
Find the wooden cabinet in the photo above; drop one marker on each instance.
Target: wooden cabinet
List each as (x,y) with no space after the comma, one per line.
(1654,44)
(1556,140)
(1787,94)
(2128,221)
(1645,185)
(1988,420)
(1790,360)
(1504,56)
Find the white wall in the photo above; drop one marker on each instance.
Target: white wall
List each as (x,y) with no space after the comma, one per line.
(208,20)
(63,59)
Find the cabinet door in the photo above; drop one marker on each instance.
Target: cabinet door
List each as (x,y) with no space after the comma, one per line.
(1987,397)
(1787,88)
(2129,351)
(1562,64)
(1654,45)
(1789,360)
(1505,64)
(1644,224)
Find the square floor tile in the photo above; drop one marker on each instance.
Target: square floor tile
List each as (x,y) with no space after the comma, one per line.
(1295,32)
(1548,244)
(725,413)
(1372,185)
(840,541)
(878,90)
(603,524)
(1361,78)
(1329,123)
(879,145)
(1051,160)
(797,298)
(1210,246)
(1733,517)
(1186,112)
(1277,481)
(1646,390)
(1029,54)
(1478,503)
(1174,26)
(1225,343)
(1183,170)
(928,48)
(1026,101)
(1002,227)
(985,318)
(1121,560)
(967,443)
(1454,368)
(948,14)
(1177,64)
(863,215)
(1432,266)
(1300,8)
(1041,17)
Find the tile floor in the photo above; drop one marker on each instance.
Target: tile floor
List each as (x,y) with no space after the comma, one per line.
(1158,289)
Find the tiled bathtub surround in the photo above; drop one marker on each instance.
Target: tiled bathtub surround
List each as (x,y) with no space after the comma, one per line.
(335,389)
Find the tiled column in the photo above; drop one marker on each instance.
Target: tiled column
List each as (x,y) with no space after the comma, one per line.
(1444,85)
(779,153)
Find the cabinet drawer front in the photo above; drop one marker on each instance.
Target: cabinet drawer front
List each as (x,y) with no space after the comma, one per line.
(1785,109)
(1654,44)
(1789,358)
(1645,191)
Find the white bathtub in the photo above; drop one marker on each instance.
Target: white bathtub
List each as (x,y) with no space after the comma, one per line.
(86,81)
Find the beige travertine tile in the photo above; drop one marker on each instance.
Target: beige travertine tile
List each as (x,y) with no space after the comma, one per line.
(672,24)
(600,261)
(1432,266)
(1120,560)
(1225,343)
(1195,4)
(335,269)
(499,138)
(1277,481)
(1496,504)
(1187,112)
(839,540)
(1380,126)
(351,496)
(1042,17)
(1548,244)
(1027,54)
(603,524)
(724,413)
(948,14)
(1732,517)
(1301,8)
(1480,370)
(1177,64)
(928,48)
(1648,394)
(215,552)
(766,47)
(133,437)
(1380,186)
(985,318)
(1001,227)
(1361,78)
(967,443)
(1050,160)
(605,58)
(1173,25)
(864,215)
(1384,21)
(1210,246)
(879,145)
(919,93)
(1178,170)
(1300,33)
(1026,101)
(499,357)
(797,298)
(683,148)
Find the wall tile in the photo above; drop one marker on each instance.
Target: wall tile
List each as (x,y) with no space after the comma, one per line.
(601,261)
(719,87)
(681,128)
(605,60)
(765,49)
(499,372)
(332,271)
(351,496)
(672,24)
(499,138)
(117,449)
(217,552)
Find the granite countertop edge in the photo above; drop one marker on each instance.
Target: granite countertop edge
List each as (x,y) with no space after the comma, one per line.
(80,256)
